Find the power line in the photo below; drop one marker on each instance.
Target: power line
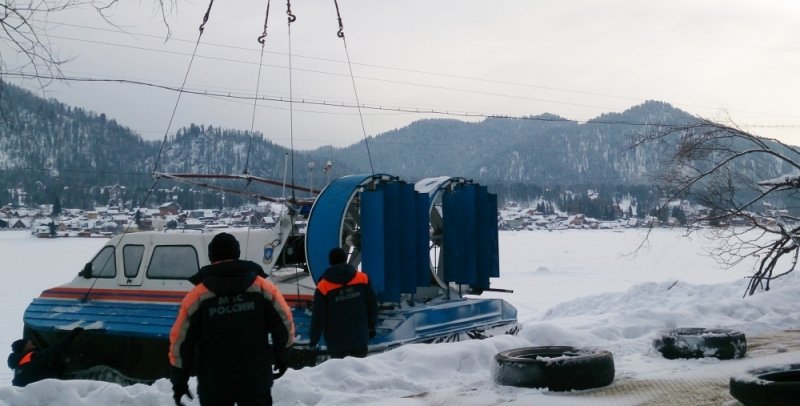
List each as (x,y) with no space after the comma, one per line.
(413,110)
(410,110)
(368,65)
(407,70)
(299,101)
(321,72)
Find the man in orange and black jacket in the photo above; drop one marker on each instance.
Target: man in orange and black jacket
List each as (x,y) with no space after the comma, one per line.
(221,332)
(345,309)
(31,364)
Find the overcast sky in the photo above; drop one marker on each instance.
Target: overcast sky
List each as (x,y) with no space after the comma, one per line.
(719,59)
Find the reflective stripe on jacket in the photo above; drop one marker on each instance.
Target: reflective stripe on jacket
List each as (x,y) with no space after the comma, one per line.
(326,286)
(26,359)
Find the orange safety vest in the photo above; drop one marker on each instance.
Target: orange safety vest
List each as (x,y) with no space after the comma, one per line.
(326,286)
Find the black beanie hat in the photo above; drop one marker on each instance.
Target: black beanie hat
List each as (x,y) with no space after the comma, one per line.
(223,246)
(19,345)
(337,256)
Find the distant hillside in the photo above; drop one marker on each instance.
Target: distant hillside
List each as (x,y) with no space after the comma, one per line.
(544,150)
(50,150)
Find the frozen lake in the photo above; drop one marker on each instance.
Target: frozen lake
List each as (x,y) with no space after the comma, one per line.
(571,287)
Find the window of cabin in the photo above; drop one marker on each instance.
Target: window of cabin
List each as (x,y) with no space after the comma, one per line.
(131,259)
(173,262)
(104,264)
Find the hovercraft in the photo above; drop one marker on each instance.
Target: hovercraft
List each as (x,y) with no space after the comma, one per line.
(429,248)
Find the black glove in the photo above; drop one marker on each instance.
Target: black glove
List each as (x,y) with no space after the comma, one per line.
(178,391)
(281,369)
(281,363)
(372,333)
(180,385)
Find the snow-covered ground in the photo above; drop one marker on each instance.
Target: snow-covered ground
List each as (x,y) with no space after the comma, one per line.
(583,288)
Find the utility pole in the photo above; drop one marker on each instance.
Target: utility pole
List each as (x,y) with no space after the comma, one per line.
(311,166)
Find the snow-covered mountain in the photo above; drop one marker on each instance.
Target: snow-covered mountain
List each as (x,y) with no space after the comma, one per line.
(53,150)
(544,150)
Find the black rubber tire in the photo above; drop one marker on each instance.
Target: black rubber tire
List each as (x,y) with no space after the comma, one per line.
(697,342)
(768,386)
(558,368)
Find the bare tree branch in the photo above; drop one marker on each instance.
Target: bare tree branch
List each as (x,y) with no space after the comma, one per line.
(744,183)
(24,27)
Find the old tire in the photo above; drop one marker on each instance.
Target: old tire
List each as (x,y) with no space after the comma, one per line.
(695,342)
(558,368)
(773,386)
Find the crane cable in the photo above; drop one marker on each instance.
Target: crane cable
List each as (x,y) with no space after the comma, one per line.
(85,297)
(160,151)
(183,85)
(261,40)
(289,20)
(340,34)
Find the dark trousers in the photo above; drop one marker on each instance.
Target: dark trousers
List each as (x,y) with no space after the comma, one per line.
(358,353)
(260,400)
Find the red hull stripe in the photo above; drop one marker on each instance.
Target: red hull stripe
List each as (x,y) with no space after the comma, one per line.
(298,299)
(125,295)
(116,294)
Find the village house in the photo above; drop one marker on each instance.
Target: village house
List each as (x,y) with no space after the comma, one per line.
(169,209)
(576,221)
(19,223)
